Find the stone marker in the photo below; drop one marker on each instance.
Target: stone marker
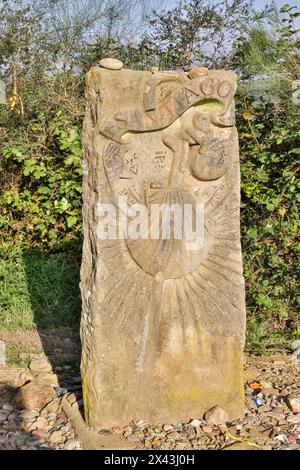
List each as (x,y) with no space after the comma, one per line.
(163,316)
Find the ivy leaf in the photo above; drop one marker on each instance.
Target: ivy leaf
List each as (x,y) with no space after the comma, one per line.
(252,234)
(52,234)
(73,135)
(64,204)
(71,220)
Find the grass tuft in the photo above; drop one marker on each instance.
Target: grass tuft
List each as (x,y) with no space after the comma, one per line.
(39,290)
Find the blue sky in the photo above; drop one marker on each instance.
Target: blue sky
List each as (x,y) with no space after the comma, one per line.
(259,3)
(279,3)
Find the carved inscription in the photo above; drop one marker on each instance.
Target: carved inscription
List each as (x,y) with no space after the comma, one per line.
(113,161)
(160,159)
(171,107)
(215,153)
(131,161)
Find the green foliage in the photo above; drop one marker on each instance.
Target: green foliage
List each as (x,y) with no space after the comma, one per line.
(40,155)
(269,49)
(40,202)
(270,215)
(268,121)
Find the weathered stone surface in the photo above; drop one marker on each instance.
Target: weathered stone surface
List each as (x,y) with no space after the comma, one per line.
(48,379)
(295,419)
(293,403)
(40,365)
(198,72)
(216,416)
(14,376)
(34,395)
(162,324)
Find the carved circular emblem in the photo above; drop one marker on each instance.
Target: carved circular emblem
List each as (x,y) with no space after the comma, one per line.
(168,253)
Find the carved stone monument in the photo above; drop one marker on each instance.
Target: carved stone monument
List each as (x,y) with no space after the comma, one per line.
(163,322)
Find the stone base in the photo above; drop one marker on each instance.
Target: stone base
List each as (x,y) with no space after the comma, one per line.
(179,386)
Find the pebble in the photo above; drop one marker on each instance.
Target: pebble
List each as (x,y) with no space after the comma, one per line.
(29,414)
(295,419)
(251,374)
(266,385)
(3,415)
(198,72)
(156,442)
(168,427)
(71,444)
(58,351)
(195,422)
(280,438)
(76,379)
(270,391)
(173,435)
(61,391)
(48,378)
(293,403)
(132,438)
(7,407)
(207,429)
(56,437)
(40,365)
(216,416)
(295,345)
(31,441)
(118,429)
(111,64)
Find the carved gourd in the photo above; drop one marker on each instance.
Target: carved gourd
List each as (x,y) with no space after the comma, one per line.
(209,162)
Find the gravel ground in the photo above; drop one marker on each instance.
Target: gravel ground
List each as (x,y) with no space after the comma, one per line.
(271,421)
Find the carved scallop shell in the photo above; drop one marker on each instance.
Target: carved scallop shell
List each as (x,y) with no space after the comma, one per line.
(167,255)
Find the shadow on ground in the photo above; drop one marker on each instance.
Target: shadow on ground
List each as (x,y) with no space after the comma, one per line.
(53,287)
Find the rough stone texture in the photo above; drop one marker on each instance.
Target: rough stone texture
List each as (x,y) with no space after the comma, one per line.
(40,365)
(162,327)
(294,403)
(34,395)
(197,72)
(112,64)
(14,376)
(216,416)
(47,378)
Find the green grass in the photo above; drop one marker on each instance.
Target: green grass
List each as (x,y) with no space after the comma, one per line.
(39,290)
(13,357)
(261,339)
